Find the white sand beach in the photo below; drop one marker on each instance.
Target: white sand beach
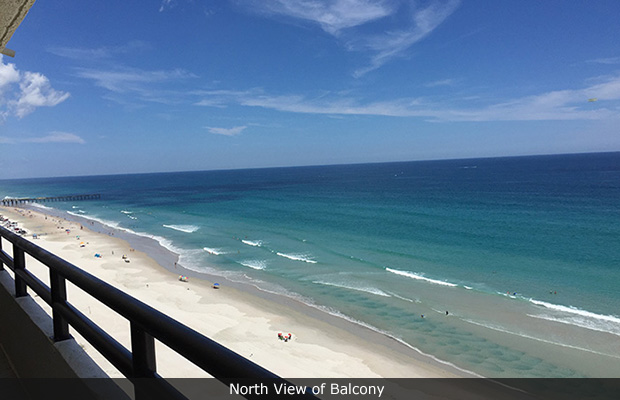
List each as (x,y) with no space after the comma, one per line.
(243,322)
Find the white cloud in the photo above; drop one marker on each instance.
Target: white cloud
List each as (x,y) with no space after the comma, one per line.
(57,137)
(567,104)
(124,79)
(347,20)
(226,131)
(132,87)
(442,82)
(332,15)
(100,53)
(52,137)
(608,60)
(166,4)
(393,44)
(8,75)
(34,91)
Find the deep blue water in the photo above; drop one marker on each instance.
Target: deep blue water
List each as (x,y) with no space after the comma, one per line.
(524,252)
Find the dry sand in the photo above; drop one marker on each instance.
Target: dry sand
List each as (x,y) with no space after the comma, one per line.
(321,347)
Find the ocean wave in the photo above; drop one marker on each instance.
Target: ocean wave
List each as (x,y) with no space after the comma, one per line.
(500,329)
(575,310)
(215,252)
(581,318)
(254,264)
(370,290)
(38,205)
(297,257)
(583,322)
(420,277)
(339,314)
(126,212)
(164,242)
(404,298)
(255,243)
(189,258)
(108,223)
(183,228)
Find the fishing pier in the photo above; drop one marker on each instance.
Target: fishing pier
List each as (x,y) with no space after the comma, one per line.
(74,197)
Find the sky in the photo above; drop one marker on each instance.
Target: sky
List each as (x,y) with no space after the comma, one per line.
(120,87)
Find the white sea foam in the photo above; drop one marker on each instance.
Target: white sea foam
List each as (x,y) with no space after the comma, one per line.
(583,322)
(370,290)
(339,314)
(38,205)
(126,212)
(577,311)
(183,228)
(254,264)
(468,287)
(255,243)
(215,252)
(500,329)
(111,224)
(413,275)
(165,243)
(404,298)
(297,257)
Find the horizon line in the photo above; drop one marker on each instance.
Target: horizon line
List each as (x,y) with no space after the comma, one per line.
(315,165)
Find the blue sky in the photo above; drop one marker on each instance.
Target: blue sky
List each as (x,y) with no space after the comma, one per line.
(147,86)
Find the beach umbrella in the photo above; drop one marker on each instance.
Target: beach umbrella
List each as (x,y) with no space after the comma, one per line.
(216,286)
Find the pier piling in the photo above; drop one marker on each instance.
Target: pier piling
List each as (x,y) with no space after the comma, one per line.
(24,200)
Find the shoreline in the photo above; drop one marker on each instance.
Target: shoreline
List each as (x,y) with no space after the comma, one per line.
(323,345)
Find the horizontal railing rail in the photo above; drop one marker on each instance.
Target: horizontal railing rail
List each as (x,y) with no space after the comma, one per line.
(146,325)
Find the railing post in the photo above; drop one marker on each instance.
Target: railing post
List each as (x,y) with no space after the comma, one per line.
(144,365)
(1,263)
(58,287)
(19,263)
(143,351)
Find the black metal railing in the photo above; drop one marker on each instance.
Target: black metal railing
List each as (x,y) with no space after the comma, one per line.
(146,325)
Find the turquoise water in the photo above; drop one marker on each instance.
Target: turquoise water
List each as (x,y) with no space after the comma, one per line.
(523,252)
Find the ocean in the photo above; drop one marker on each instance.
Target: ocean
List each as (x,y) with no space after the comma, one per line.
(506,267)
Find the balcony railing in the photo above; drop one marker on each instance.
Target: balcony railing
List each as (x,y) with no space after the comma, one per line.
(146,325)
